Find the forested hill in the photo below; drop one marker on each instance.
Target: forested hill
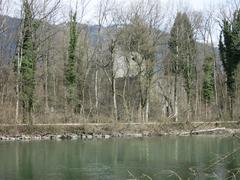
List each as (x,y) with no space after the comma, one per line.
(8,38)
(11,26)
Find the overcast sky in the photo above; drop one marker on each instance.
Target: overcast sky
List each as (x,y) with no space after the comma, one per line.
(199,5)
(90,11)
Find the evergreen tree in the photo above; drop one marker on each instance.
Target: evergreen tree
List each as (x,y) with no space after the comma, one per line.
(229,47)
(208,82)
(71,69)
(27,69)
(183,49)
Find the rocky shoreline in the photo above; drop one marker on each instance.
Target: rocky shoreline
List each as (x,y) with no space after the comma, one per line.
(59,137)
(107,131)
(92,136)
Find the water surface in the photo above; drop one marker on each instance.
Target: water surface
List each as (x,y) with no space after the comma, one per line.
(119,159)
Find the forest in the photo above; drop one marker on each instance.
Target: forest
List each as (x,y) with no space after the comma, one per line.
(137,63)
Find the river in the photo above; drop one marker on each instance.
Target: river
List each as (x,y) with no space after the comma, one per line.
(120,159)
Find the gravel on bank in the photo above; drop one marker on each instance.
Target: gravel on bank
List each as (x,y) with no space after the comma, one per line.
(107,130)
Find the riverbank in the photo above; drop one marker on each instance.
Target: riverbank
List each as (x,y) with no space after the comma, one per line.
(107,130)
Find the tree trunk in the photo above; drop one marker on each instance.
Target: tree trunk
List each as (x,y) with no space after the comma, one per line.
(175,87)
(17,104)
(196,100)
(46,84)
(147,110)
(19,60)
(231,107)
(114,100)
(53,106)
(65,105)
(175,98)
(96,92)
(206,111)
(127,114)
(140,112)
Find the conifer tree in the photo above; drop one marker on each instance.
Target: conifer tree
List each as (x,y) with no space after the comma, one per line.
(229,47)
(183,49)
(208,82)
(27,69)
(71,69)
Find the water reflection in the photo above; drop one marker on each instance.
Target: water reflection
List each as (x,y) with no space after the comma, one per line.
(113,159)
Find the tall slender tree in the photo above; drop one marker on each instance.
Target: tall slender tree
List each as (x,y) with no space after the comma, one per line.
(229,47)
(208,82)
(183,49)
(71,66)
(27,67)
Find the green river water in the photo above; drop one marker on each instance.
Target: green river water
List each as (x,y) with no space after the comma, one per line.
(121,159)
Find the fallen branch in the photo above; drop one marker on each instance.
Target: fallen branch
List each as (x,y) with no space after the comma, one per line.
(196,127)
(202,131)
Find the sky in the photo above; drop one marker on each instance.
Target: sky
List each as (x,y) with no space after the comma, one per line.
(90,10)
(202,4)
(198,5)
